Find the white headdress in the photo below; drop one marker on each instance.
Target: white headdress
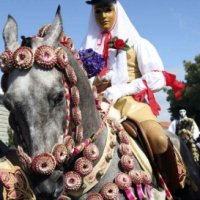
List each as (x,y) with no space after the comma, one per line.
(147,56)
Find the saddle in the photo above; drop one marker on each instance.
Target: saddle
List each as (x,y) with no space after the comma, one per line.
(134,129)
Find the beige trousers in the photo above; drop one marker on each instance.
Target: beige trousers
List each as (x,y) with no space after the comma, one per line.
(142,113)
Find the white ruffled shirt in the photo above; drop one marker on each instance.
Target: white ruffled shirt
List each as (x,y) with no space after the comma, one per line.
(149,62)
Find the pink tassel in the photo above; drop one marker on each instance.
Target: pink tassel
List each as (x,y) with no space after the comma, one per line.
(129,193)
(148,191)
(140,191)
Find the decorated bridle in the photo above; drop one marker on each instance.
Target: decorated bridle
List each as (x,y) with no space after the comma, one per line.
(45,163)
(48,57)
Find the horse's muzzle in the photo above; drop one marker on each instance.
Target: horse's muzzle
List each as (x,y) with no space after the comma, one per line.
(51,187)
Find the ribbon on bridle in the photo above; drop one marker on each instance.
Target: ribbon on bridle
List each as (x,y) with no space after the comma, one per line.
(129,194)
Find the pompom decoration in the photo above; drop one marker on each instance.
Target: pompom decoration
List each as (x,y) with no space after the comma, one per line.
(117,126)
(43,30)
(24,159)
(123,181)
(147,181)
(146,177)
(71,74)
(92,61)
(137,179)
(75,96)
(69,143)
(72,181)
(6,61)
(44,164)
(76,114)
(123,137)
(79,133)
(60,153)
(127,162)
(83,166)
(67,42)
(125,149)
(110,191)
(94,196)
(135,176)
(46,56)
(62,58)
(23,58)
(91,152)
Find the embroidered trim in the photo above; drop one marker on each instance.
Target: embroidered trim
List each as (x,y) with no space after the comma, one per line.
(100,168)
(16,185)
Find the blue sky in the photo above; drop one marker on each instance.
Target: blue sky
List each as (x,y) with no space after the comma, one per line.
(173,26)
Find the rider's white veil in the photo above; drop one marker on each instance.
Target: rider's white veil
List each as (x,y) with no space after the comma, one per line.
(147,56)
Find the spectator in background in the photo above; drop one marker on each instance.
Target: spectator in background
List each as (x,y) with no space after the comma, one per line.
(188,130)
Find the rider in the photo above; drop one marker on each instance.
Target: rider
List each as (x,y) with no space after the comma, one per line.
(129,74)
(187,128)
(175,125)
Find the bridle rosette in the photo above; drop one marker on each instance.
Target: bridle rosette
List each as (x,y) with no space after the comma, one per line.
(23,58)
(46,56)
(60,153)
(6,60)
(43,164)
(62,58)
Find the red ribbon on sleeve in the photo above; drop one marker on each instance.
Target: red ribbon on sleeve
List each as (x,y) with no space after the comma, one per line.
(171,81)
(176,85)
(155,107)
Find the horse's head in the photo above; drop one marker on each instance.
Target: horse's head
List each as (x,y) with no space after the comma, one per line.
(36,98)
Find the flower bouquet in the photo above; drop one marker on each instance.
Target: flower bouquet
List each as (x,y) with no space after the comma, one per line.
(92,61)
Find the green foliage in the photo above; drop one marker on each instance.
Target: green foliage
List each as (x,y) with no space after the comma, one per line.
(10,137)
(191,95)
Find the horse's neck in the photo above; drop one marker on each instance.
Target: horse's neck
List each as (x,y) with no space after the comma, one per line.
(92,123)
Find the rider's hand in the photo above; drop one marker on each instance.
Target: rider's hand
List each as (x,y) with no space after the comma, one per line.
(114,92)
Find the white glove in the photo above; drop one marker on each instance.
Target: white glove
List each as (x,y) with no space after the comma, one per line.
(115,92)
(107,76)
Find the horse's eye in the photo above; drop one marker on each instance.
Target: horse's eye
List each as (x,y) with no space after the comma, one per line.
(58,98)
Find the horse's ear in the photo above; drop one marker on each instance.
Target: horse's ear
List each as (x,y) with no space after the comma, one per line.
(56,29)
(10,34)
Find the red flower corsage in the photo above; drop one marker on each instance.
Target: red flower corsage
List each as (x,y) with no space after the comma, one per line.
(119,44)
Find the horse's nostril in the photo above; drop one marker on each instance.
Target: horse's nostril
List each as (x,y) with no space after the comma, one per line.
(50,188)
(60,180)
(59,187)
(56,176)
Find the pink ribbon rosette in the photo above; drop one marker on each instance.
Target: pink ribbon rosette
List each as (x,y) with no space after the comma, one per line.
(137,179)
(146,177)
(124,183)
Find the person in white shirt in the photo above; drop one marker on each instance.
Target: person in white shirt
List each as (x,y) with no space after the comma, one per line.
(130,74)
